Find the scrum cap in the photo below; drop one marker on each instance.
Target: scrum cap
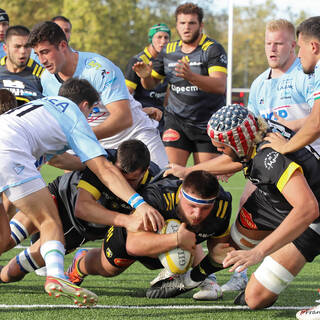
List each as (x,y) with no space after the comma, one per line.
(157,28)
(234,126)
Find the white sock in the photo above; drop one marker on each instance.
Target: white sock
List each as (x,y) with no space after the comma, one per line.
(53,254)
(188,282)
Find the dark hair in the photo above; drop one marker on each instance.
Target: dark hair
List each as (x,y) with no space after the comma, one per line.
(310,28)
(78,90)
(202,183)
(7,100)
(189,8)
(46,31)
(133,155)
(62,18)
(16,31)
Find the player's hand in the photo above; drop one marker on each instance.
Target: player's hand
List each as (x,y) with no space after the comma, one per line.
(152,219)
(142,69)
(153,113)
(242,259)
(219,252)
(276,142)
(183,70)
(186,239)
(176,170)
(224,177)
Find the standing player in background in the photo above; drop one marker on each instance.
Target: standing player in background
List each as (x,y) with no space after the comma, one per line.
(196,69)
(18,72)
(65,24)
(152,100)
(4,25)
(282,93)
(118,117)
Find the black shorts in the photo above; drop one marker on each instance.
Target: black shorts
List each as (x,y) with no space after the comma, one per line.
(179,134)
(256,216)
(114,248)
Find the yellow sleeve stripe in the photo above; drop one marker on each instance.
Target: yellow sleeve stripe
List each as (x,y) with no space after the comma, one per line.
(40,70)
(146,51)
(225,207)
(35,69)
(3,60)
(226,233)
(30,62)
(217,68)
(204,37)
(178,193)
(145,177)
(287,174)
(90,188)
(131,84)
(221,212)
(144,58)
(22,99)
(157,75)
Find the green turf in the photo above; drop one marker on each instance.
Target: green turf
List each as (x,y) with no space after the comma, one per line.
(128,291)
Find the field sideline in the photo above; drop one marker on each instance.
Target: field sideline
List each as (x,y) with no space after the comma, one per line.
(123,297)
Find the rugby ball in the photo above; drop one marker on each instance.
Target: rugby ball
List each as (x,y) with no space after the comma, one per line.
(176,260)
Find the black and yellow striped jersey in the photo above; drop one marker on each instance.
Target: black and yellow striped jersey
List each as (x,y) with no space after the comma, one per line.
(25,85)
(163,195)
(186,100)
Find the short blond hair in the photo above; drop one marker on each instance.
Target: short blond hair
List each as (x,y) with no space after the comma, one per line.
(281,24)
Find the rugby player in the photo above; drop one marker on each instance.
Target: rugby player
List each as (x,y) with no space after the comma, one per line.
(199,202)
(65,24)
(152,100)
(46,127)
(7,100)
(4,25)
(18,72)
(85,207)
(196,69)
(273,223)
(118,117)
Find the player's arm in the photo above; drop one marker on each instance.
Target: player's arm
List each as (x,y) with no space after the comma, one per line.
(218,166)
(66,161)
(112,178)
(152,244)
(304,211)
(120,118)
(307,134)
(214,83)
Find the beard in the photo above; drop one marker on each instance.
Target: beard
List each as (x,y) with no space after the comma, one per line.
(194,37)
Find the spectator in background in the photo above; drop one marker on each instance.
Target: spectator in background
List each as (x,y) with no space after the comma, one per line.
(4,25)
(65,24)
(152,100)
(18,72)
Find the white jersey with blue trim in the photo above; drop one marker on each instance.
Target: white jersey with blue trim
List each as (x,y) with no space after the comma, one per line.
(48,126)
(289,96)
(109,81)
(316,88)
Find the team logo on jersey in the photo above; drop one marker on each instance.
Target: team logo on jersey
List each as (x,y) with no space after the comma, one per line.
(206,235)
(271,159)
(109,253)
(246,219)
(122,262)
(18,168)
(183,89)
(223,59)
(170,135)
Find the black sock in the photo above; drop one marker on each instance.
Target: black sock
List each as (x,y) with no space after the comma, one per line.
(204,268)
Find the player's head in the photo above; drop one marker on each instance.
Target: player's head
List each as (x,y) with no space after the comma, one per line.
(280,44)
(234,131)
(17,48)
(4,24)
(308,34)
(7,100)
(197,197)
(81,92)
(159,35)
(133,160)
(65,24)
(189,22)
(50,44)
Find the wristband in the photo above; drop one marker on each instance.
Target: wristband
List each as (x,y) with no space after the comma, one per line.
(135,200)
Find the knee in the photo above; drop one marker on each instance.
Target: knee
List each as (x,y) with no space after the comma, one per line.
(259,300)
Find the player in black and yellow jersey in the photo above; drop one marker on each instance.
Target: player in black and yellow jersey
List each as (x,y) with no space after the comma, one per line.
(198,201)
(18,72)
(85,207)
(196,69)
(279,222)
(152,100)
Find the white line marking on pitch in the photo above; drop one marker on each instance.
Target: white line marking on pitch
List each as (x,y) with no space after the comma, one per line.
(63,306)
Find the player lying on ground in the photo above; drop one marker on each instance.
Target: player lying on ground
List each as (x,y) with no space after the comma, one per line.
(199,202)
(273,208)
(60,123)
(85,206)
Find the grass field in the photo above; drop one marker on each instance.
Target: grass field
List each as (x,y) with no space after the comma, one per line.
(123,297)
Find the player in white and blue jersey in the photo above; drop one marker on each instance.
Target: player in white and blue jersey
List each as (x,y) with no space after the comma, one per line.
(50,126)
(119,117)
